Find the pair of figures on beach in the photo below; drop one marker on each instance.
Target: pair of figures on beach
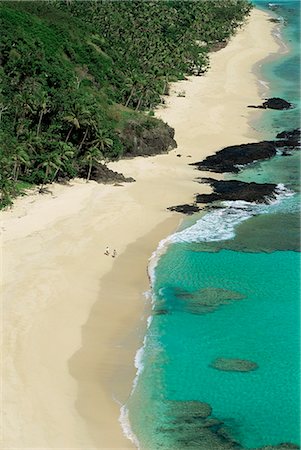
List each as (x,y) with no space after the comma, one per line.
(107,252)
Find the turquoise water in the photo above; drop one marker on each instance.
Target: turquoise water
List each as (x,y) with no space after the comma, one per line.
(228,286)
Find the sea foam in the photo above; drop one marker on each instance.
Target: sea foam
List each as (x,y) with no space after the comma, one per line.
(219,224)
(126,427)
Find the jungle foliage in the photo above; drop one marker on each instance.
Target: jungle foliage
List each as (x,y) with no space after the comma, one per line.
(75,73)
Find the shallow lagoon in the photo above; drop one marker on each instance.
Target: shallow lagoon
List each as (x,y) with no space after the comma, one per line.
(260,263)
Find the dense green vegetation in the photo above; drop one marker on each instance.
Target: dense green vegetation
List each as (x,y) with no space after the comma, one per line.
(76,76)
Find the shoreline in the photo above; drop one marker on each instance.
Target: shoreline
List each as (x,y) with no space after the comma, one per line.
(66,348)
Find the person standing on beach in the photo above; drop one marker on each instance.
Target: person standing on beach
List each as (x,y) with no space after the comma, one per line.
(107,252)
(114,253)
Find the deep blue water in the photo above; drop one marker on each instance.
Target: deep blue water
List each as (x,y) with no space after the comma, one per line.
(229,287)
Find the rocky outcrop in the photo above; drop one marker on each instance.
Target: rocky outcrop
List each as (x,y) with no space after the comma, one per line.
(288,140)
(291,135)
(185,209)
(218,46)
(230,158)
(102,174)
(147,138)
(274,103)
(237,190)
(276,20)
(234,365)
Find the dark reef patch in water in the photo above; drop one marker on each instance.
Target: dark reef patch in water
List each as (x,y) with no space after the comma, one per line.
(262,233)
(283,446)
(189,425)
(233,365)
(202,301)
(207,299)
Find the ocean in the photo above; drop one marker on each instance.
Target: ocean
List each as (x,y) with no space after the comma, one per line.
(220,364)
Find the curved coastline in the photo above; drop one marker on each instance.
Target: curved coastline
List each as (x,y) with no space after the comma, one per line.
(170,116)
(95,328)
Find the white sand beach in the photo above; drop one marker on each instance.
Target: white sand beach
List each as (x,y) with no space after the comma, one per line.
(72,317)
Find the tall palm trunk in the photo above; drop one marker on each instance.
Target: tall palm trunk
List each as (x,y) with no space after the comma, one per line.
(139,102)
(83,140)
(69,133)
(55,174)
(165,85)
(15,171)
(90,170)
(45,177)
(130,96)
(40,121)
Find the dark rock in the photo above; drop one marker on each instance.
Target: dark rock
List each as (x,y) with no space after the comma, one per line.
(237,190)
(102,174)
(274,103)
(229,158)
(234,365)
(275,20)
(291,134)
(185,209)
(288,140)
(218,46)
(63,180)
(147,138)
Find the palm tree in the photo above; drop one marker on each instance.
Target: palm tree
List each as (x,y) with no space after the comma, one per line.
(89,122)
(74,120)
(65,154)
(51,161)
(7,185)
(43,111)
(79,116)
(7,191)
(20,156)
(3,109)
(102,141)
(92,155)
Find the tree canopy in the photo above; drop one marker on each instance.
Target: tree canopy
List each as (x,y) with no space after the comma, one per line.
(75,74)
